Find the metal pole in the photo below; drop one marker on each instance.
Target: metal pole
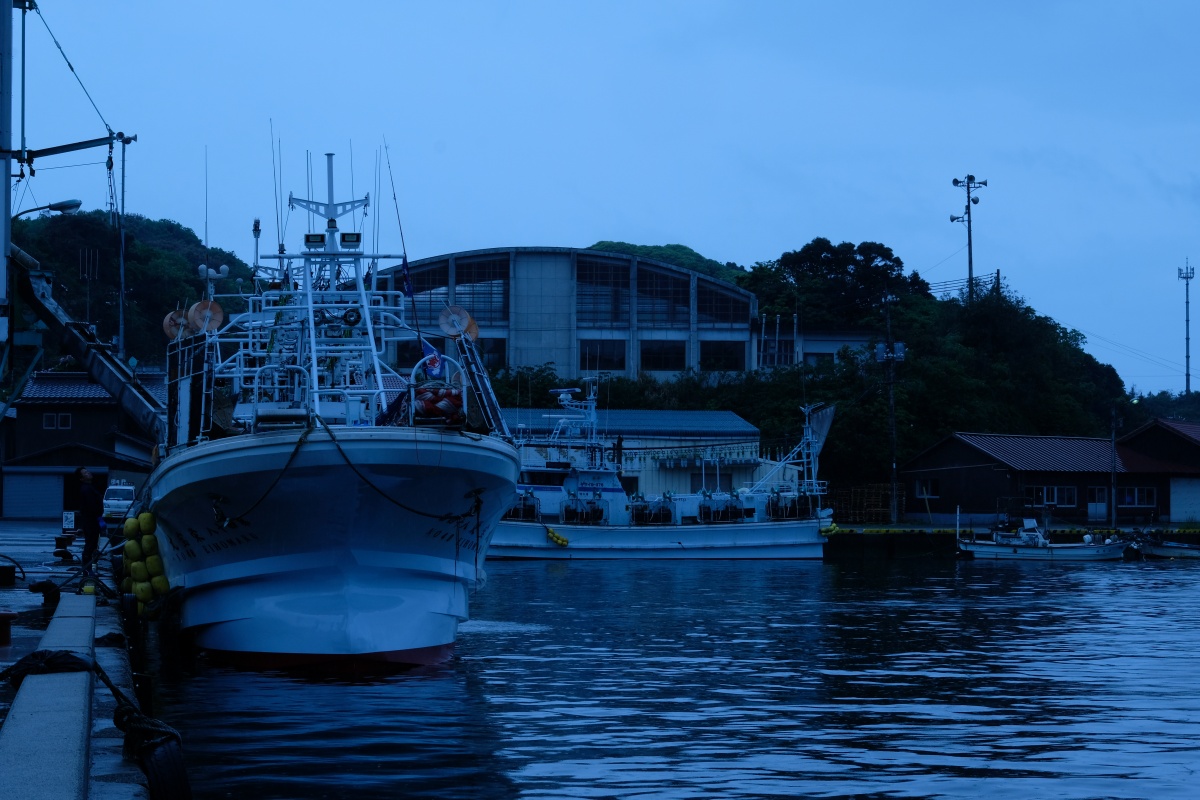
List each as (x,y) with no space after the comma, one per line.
(970,251)
(1113,500)
(1186,274)
(6,87)
(121,233)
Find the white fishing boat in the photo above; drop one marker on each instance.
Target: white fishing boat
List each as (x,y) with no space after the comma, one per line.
(314,502)
(1028,543)
(571,503)
(1156,547)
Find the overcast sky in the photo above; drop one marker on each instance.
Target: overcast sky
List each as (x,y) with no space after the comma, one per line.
(740,129)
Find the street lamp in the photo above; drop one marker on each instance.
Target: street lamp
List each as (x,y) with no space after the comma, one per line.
(62,206)
(969,183)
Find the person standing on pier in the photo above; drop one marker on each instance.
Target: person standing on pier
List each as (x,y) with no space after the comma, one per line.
(91,509)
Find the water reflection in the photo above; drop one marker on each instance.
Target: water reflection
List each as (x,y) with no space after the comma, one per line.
(696,680)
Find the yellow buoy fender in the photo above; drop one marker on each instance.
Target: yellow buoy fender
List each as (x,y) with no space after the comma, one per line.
(133,550)
(146,522)
(138,571)
(127,586)
(149,544)
(143,591)
(160,585)
(154,565)
(132,529)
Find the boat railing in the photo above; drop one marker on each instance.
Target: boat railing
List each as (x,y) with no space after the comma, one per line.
(292,400)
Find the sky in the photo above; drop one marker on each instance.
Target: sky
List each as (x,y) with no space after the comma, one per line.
(743,130)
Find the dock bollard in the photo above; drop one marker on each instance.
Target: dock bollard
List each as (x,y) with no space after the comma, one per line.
(6,618)
(8,574)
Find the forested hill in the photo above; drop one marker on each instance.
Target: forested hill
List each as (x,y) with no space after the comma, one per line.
(677,254)
(994,365)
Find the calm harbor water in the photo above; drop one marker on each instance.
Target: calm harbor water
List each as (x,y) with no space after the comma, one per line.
(921,679)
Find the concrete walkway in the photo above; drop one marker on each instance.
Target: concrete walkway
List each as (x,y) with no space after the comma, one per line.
(58,740)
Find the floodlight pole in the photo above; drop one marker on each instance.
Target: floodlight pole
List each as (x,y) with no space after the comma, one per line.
(1186,273)
(968,183)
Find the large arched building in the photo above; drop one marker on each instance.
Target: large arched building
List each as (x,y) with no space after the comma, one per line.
(587,311)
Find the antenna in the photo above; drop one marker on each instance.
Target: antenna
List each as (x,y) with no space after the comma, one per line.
(1186,273)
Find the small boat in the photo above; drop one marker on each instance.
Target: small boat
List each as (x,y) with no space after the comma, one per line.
(315,502)
(1154,546)
(572,505)
(1028,543)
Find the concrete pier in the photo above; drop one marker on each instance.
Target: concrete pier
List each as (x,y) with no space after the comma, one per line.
(58,740)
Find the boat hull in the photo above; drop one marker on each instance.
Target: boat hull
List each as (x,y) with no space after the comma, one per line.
(362,544)
(1170,550)
(785,539)
(1114,551)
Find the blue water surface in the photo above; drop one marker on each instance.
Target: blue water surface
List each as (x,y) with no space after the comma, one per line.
(922,678)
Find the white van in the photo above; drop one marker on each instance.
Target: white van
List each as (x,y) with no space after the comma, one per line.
(118,497)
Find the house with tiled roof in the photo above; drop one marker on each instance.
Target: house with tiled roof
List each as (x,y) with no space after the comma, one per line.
(60,421)
(1151,475)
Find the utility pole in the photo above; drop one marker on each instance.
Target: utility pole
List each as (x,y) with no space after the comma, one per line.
(969,183)
(889,354)
(125,140)
(1186,274)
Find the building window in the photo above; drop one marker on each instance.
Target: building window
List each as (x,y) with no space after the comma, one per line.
(1097,495)
(722,356)
(431,291)
(481,287)
(1057,496)
(778,352)
(493,352)
(601,355)
(663,300)
(708,480)
(49,421)
(664,356)
(1136,496)
(928,487)
(717,307)
(64,422)
(602,292)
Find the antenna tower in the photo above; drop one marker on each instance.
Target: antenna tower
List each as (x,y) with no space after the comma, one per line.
(1186,273)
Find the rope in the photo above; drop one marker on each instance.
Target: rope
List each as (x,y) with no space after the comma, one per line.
(443,517)
(6,558)
(274,483)
(38,9)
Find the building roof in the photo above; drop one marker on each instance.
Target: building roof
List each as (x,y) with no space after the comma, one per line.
(1187,430)
(59,387)
(78,388)
(1046,453)
(634,422)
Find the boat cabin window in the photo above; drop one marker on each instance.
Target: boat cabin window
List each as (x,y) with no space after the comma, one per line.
(536,477)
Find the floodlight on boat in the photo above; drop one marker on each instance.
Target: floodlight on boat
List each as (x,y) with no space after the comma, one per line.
(351,241)
(314,240)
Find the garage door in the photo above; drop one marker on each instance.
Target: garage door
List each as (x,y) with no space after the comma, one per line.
(1185,500)
(32,496)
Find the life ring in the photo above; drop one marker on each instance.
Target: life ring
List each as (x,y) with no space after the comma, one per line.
(352,317)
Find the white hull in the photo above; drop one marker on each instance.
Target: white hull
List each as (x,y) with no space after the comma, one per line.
(1170,550)
(798,539)
(1114,551)
(290,553)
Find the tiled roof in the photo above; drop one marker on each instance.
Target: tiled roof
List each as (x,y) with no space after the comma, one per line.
(76,387)
(1047,453)
(58,387)
(1188,430)
(633,422)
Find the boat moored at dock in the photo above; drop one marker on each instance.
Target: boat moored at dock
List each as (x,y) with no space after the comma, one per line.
(315,502)
(1028,543)
(572,504)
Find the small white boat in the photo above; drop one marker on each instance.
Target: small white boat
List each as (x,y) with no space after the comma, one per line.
(571,505)
(315,501)
(1028,543)
(1159,549)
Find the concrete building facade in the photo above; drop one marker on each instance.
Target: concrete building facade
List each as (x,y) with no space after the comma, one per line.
(588,312)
